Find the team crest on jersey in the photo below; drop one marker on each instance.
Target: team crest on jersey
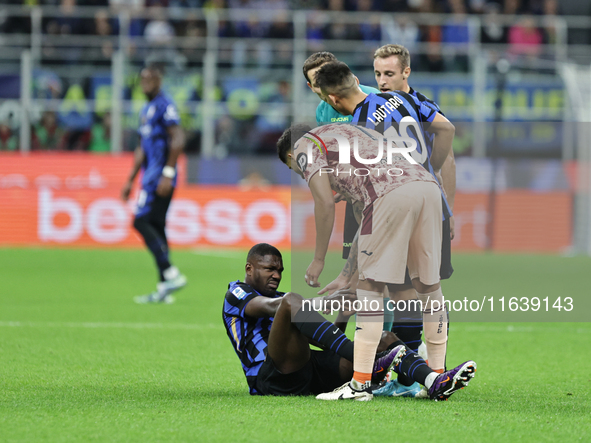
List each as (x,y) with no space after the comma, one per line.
(302,161)
(239,293)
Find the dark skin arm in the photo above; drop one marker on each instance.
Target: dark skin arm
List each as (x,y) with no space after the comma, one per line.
(448,175)
(262,307)
(177,144)
(138,159)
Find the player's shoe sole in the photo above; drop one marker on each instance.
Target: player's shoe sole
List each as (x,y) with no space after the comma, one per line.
(346,392)
(451,381)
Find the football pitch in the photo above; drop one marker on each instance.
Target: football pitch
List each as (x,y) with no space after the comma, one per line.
(79,361)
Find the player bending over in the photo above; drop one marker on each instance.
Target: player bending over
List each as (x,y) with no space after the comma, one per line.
(401,220)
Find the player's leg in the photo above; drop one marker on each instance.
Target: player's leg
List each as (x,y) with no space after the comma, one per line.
(408,321)
(147,228)
(446,270)
(438,386)
(349,230)
(376,238)
(424,261)
(171,277)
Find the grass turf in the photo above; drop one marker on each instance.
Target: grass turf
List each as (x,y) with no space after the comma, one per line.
(79,361)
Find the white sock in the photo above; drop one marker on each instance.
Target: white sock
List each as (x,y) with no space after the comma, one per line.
(435,327)
(171,273)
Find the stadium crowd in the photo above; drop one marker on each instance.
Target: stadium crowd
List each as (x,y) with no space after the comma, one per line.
(257,37)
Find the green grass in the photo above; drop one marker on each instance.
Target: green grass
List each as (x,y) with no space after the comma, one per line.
(79,361)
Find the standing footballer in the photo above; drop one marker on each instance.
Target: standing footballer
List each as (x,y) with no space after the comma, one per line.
(162,141)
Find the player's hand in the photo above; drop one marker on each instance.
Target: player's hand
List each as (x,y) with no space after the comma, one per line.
(164,188)
(343,299)
(338,198)
(452,227)
(125,191)
(338,283)
(313,272)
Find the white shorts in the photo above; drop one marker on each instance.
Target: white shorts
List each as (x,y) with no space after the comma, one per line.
(403,229)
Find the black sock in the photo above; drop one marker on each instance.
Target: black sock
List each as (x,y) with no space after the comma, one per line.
(314,326)
(408,324)
(155,242)
(412,367)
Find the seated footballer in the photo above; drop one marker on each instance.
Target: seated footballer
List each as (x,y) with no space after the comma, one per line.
(271,333)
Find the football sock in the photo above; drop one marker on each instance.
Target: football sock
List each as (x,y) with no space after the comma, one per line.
(408,323)
(388,314)
(368,331)
(360,381)
(412,367)
(314,326)
(435,326)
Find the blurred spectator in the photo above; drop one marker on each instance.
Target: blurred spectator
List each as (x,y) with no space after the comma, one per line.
(371,32)
(101,135)
(77,140)
(194,50)
(102,24)
(274,119)
(159,31)
(47,134)
(254,180)
(525,39)
(455,35)
(492,29)
(401,30)
(159,34)
(8,138)
(550,10)
(395,6)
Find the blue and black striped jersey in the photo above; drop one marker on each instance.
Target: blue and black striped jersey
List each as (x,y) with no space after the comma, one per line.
(248,335)
(385,111)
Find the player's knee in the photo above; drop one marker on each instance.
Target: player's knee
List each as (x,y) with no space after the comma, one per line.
(386,340)
(139,223)
(291,301)
(422,288)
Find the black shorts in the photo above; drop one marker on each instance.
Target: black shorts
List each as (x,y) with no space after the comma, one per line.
(154,208)
(320,374)
(351,227)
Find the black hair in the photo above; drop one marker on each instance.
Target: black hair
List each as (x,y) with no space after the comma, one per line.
(334,77)
(315,60)
(289,137)
(262,249)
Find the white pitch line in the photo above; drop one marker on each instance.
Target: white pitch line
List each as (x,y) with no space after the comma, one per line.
(97,325)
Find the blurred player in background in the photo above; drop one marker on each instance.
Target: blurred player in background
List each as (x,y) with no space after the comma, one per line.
(162,141)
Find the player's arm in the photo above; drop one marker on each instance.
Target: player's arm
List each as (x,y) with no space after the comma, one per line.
(324,214)
(348,276)
(138,158)
(444,132)
(448,178)
(262,307)
(176,137)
